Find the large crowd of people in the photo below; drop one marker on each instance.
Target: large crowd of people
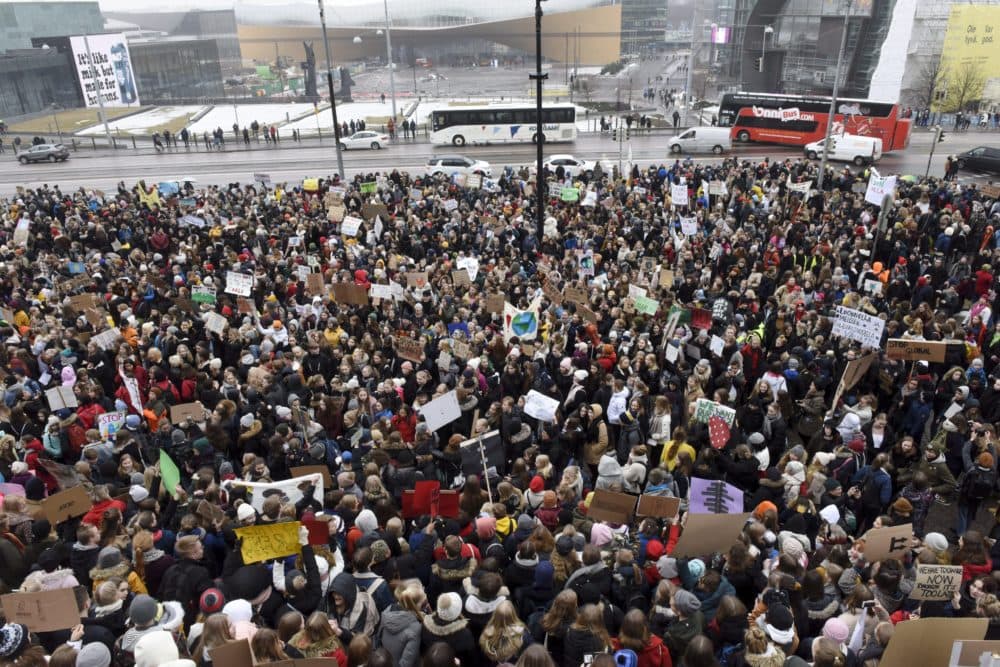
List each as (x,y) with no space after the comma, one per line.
(183,398)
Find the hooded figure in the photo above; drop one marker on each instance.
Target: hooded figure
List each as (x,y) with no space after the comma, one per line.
(609,472)
(354,609)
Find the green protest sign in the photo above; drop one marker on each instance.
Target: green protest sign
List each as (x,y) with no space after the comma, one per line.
(369,188)
(570,194)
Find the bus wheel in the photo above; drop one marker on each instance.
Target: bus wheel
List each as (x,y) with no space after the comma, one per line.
(534,138)
(717,150)
(458,140)
(743,136)
(858,160)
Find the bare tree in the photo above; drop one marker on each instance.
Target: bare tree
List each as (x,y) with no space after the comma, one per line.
(929,80)
(965,87)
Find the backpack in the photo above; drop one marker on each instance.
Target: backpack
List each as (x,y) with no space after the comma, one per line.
(727,654)
(978,484)
(870,494)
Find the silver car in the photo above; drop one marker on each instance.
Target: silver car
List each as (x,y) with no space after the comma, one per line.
(44,153)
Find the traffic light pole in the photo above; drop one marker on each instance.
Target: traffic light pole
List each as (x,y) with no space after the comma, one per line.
(833,98)
(937,138)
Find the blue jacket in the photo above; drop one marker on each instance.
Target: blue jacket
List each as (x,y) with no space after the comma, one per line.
(881,479)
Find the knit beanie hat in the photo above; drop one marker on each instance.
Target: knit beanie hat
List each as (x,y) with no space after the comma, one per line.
(936,542)
(836,630)
(211,601)
(94,654)
(13,640)
(486,527)
(449,607)
(686,602)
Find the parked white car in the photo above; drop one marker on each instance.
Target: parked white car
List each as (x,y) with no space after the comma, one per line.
(364,139)
(449,165)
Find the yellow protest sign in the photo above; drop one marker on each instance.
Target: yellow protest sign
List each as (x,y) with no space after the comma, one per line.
(269,541)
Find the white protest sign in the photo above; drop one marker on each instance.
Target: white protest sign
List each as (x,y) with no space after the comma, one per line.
(540,406)
(672,352)
(450,205)
(192,220)
(288,488)
(717,345)
(635,291)
(830,514)
(110,423)
(803,188)
(239,284)
(215,323)
(879,187)
(861,327)
(350,226)
(679,194)
(689,226)
(106,339)
(380,292)
(590,199)
(441,411)
(873,287)
(717,188)
(470,264)
(21,231)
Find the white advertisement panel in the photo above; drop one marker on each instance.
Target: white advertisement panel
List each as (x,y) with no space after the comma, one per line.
(112,65)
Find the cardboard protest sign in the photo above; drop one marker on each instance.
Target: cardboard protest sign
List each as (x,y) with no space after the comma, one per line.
(232,654)
(180,413)
(44,611)
(710,496)
(370,211)
(351,294)
(66,504)
(970,653)
(888,542)
(929,641)
(301,471)
(902,349)
(460,278)
(662,507)
(936,582)
(611,506)
(410,349)
(83,302)
(540,406)
(576,295)
(441,411)
(314,284)
(416,279)
(858,326)
(494,303)
(269,541)
(709,533)
(215,323)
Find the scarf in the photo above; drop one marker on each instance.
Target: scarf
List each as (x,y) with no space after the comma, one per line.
(13,539)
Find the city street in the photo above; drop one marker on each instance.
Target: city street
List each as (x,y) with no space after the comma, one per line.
(292,162)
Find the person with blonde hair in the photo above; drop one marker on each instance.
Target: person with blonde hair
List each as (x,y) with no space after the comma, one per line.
(216,632)
(505,637)
(318,639)
(402,624)
(556,622)
(759,651)
(585,636)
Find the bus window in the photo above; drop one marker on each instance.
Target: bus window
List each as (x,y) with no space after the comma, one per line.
(503,117)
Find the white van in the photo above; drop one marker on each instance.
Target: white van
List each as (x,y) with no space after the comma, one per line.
(701,140)
(848,148)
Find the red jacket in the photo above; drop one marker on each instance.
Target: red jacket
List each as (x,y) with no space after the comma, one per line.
(654,654)
(971,570)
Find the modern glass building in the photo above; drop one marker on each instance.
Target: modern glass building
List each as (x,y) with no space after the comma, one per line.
(21,21)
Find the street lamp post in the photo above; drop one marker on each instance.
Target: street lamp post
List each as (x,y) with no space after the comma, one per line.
(833,98)
(55,119)
(768,30)
(329,83)
(538,77)
(388,50)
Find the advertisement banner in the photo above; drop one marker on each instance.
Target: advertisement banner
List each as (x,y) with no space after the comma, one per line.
(112,64)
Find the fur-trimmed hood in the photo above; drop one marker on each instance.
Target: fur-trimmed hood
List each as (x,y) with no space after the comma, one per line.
(319,649)
(454,569)
(439,628)
(253,431)
(105,573)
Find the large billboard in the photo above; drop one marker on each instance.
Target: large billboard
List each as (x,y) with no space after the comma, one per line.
(110,75)
(971,54)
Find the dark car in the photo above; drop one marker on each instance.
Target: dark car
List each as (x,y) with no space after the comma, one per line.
(983,158)
(44,153)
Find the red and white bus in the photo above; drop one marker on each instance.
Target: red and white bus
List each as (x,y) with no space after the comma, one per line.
(797,120)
